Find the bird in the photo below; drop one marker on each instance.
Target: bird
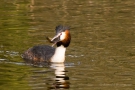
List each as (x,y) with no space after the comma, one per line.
(46,53)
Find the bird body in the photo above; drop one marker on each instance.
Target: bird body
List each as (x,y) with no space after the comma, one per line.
(46,53)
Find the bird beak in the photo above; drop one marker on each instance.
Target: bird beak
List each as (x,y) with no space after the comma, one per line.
(56,39)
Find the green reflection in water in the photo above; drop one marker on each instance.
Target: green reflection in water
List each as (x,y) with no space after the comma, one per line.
(14,27)
(13,76)
(102,40)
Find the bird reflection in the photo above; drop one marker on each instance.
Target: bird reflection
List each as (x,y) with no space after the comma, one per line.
(61,80)
(53,77)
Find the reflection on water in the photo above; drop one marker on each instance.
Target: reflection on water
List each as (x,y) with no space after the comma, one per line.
(61,80)
(42,79)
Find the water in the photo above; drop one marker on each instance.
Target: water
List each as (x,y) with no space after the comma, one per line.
(101,54)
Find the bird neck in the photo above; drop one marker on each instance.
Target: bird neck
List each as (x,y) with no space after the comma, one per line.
(59,55)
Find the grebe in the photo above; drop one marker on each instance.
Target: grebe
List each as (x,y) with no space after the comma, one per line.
(45,53)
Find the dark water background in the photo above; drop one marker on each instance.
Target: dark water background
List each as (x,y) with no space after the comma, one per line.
(101,55)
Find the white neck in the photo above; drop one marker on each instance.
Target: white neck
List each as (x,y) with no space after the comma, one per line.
(59,55)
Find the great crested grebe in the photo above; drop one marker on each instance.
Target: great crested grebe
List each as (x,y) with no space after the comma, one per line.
(45,53)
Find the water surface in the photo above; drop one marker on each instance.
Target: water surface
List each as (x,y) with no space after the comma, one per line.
(101,54)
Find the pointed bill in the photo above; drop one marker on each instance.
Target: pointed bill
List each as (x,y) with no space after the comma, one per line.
(55,38)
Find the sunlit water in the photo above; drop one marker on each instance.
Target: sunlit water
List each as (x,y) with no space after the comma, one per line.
(101,55)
